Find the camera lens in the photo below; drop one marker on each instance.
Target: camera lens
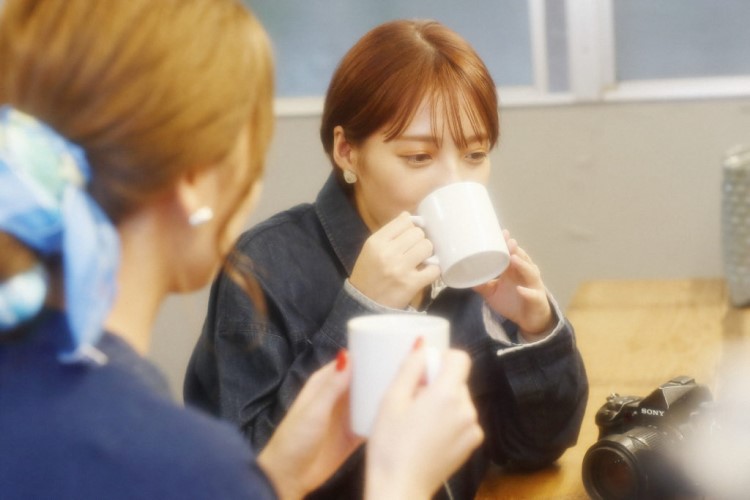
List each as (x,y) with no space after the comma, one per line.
(621,466)
(611,474)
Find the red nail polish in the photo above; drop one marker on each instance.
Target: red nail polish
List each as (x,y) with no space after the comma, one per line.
(418,343)
(341,360)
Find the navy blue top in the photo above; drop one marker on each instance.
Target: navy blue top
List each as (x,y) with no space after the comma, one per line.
(110,431)
(248,367)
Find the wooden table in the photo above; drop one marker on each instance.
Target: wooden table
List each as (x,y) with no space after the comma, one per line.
(634,336)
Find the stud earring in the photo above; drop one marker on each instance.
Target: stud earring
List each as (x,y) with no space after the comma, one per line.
(350,177)
(201,216)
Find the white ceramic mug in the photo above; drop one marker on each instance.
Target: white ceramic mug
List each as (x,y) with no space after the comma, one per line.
(378,344)
(462,225)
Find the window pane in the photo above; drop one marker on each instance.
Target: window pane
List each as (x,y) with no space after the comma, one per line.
(310,36)
(681,38)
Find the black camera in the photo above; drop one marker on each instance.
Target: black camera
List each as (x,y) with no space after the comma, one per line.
(637,454)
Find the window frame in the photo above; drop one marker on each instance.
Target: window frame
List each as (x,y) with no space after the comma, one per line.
(591,69)
(592,64)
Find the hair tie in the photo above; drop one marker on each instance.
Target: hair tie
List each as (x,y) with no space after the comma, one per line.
(44,204)
(22,297)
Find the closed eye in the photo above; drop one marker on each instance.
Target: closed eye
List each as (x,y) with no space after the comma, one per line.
(477,156)
(417,159)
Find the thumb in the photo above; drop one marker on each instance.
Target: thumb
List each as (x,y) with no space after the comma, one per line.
(408,379)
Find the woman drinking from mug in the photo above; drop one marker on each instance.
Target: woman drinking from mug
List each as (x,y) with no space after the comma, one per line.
(410,108)
(132,141)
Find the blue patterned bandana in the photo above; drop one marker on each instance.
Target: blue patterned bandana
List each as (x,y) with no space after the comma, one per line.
(44,204)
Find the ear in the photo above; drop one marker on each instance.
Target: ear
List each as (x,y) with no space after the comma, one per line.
(191,192)
(344,153)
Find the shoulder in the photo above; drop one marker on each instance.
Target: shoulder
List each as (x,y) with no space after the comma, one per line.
(111,432)
(290,243)
(206,457)
(299,222)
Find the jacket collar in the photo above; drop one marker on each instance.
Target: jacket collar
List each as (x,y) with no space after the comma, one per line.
(343,226)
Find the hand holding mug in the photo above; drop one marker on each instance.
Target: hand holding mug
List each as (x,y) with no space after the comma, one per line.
(389,269)
(409,395)
(423,433)
(519,293)
(314,438)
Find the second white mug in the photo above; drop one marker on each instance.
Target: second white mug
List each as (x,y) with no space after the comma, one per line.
(378,345)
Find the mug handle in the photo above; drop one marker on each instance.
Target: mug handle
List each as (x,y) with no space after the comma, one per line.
(418,220)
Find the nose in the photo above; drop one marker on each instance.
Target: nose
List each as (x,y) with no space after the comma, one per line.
(453,171)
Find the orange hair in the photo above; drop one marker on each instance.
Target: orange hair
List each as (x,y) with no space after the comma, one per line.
(390,71)
(150,89)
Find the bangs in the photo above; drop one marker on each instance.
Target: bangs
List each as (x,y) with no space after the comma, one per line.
(448,96)
(400,66)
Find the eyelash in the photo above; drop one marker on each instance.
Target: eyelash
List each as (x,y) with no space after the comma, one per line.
(423,158)
(477,156)
(419,158)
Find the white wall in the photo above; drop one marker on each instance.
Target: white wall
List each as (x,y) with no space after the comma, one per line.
(590,191)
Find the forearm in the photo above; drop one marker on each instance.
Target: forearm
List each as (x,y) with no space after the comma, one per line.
(535,410)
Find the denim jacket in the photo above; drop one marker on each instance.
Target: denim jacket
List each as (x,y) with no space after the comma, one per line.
(248,368)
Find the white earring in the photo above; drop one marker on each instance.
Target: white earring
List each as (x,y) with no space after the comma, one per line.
(201,216)
(350,177)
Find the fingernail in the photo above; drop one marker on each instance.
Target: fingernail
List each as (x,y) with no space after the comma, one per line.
(341,360)
(418,343)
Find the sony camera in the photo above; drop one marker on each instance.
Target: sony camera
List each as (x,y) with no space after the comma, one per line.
(641,442)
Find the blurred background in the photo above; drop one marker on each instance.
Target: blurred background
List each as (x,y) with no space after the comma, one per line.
(615,118)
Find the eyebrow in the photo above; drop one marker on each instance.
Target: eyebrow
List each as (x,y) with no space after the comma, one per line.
(430,138)
(416,138)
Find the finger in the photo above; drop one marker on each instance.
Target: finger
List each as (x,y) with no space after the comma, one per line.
(455,366)
(512,245)
(419,252)
(421,273)
(522,253)
(328,384)
(427,274)
(407,381)
(396,226)
(531,294)
(528,272)
(342,414)
(410,239)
